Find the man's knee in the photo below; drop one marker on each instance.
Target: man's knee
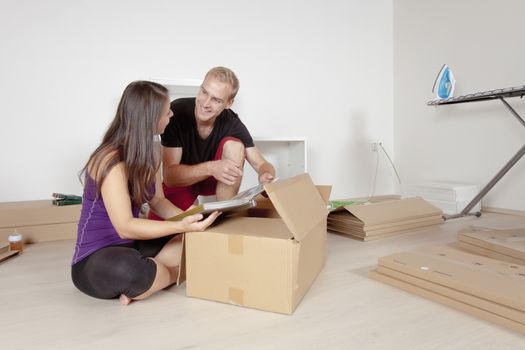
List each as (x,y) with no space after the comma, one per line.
(233,150)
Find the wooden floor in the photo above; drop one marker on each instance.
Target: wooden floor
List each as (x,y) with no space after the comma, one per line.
(344,309)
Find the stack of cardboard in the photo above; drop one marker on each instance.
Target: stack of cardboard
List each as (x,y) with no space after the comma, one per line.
(506,245)
(487,288)
(38,221)
(384,219)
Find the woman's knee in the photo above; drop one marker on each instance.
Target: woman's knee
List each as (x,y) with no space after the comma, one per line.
(135,278)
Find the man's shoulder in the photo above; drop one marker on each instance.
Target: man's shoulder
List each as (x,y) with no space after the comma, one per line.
(229,115)
(183,103)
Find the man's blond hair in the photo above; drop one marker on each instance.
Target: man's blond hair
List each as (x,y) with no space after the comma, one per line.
(225,75)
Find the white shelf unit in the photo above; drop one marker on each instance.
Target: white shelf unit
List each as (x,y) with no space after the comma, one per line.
(287,154)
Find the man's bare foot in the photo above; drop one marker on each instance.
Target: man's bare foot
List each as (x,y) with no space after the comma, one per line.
(124,300)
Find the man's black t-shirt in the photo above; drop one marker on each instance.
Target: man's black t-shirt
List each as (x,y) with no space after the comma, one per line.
(182,132)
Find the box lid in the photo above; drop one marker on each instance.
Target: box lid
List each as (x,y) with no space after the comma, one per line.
(299,204)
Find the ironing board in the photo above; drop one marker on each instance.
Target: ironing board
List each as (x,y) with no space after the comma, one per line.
(498,94)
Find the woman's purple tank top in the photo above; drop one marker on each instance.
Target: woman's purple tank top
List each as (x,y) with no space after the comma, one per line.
(95,230)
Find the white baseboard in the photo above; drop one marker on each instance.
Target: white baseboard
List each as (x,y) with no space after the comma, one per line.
(485,209)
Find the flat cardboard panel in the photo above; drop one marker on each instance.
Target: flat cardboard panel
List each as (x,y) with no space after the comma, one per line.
(366,238)
(393,211)
(487,278)
(42,233)
(347,220)
(5,253)
(472,300)
(489,253)
(399,226)
(507,242)
(298,203)
(41,212)
(384,219)
(477,312)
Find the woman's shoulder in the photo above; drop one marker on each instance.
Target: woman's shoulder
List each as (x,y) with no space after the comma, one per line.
(103,162)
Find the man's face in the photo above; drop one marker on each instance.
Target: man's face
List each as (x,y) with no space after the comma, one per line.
(212,98)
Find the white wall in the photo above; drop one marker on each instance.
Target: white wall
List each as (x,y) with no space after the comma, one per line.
(482,41)
(319,69)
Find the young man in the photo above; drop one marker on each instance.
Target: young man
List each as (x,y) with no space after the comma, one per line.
(205,144)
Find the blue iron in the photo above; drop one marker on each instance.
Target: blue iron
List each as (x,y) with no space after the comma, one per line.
(444,83)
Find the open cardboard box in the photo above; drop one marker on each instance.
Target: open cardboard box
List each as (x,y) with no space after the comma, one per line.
(266,259)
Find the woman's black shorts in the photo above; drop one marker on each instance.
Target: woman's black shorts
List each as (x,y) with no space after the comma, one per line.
(115,270)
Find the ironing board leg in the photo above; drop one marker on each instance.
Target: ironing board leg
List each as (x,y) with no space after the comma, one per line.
(496,178)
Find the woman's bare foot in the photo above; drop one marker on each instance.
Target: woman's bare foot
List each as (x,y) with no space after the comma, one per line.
(124,300)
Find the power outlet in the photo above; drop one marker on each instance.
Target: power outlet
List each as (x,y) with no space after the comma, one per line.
(375,146)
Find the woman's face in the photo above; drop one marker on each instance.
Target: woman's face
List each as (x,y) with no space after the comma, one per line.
(165,116)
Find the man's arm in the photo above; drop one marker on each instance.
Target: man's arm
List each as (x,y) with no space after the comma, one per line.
(264,170)
(176,174)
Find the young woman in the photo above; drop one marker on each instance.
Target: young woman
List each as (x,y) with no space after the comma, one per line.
(118,254)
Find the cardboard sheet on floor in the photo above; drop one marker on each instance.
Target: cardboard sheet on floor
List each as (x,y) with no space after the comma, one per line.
(5,253)
(507,245)
(39,221)
(458,305)
(488,288)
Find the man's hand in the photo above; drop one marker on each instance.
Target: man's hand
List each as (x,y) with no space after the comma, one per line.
(194,223)
(265,177)
(225,171)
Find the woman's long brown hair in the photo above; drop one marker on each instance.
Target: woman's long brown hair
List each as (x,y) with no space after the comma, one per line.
(130,139)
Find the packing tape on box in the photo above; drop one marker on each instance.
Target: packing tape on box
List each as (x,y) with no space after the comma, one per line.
(235,244)
(236,296)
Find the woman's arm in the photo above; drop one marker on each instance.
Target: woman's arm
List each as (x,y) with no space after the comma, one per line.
(118,205)
(160,204)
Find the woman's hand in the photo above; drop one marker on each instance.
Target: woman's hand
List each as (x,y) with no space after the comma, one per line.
(195,222)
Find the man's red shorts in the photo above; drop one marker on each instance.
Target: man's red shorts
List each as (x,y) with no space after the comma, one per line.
(184,197)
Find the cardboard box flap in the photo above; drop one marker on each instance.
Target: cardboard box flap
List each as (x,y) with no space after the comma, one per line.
(299,204)
(324,191)
(393,211)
